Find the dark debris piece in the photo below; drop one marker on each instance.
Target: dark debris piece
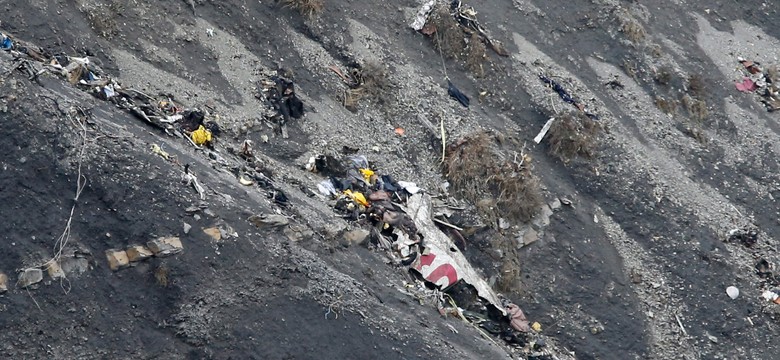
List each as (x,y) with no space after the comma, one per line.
(747,237)
(457,94)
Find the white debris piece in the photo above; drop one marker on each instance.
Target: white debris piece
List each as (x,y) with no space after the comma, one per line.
(422,15)
(544,131)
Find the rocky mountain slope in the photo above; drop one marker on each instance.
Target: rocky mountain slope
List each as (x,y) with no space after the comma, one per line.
(628,256)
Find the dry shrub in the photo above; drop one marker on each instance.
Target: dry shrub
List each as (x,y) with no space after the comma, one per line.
(476,53)
(629,67)
(573,135)
(695,132)
(663,76)
(449,37)
(666,105)
(509,280)
(772,75)
(632,29)
(308,8)
(161,275)
(370,81)
(696,85)
(499,181)
(697,109)
(655,50)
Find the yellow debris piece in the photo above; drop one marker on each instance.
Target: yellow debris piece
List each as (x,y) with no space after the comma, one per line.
(201,136)
(536,326)
(159,151)
(357,197)
(367,174)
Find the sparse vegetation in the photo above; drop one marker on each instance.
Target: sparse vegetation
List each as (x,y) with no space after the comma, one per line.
(655,50)
(695,132)
(499,181)
(633,30)
(102,17)
(697,109)
(370,81)
(476,52)
(630,68)
(695,85)
(573,135)
(663,76)
(161,275)
(509,280)
(668,106)
(772,75)
(449,37)
(308,8)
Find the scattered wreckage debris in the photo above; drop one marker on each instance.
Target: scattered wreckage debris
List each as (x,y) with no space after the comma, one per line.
(403,225)
(279,94)
(457,94)
(464,15)
(566,96)
(162,111)
(772,295)
(765,83)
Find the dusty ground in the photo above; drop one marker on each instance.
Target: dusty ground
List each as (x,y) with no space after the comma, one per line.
(641,248)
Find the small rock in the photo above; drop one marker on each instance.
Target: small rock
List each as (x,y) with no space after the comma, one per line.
(357,236)
(3,283)
(636,277)
(732,292)
(503,224)
(712,338)
(265,221)
(543,218)
(138,252)
(555,204)
(187,228)
(30,277)
(529,237)
(209,213)
(117,259)
(192,209)
(73,265)
(566,202)
(196,217)
(55,270)
(297,232)
(214,233)
(165,246)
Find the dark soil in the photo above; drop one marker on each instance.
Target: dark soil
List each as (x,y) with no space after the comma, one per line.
(241,298)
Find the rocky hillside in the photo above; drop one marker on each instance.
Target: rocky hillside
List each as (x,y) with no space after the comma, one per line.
(652,191)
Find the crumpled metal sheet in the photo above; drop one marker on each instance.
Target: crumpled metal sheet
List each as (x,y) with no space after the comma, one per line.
(448,264)
(422,15)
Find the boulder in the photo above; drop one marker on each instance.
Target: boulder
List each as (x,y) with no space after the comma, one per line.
(55,270)
(138,252)
(267,221)
(117,259)
(214,233)
(165,246)
(3,283)
(74,265)
(357,236)
(30,277)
